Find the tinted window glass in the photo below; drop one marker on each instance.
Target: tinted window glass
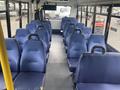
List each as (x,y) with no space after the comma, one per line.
(61,12)
(114,33)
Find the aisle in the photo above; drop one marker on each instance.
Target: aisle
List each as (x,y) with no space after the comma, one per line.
(58,75)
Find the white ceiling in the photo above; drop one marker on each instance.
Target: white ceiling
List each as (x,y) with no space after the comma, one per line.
(79,2)
(98,2)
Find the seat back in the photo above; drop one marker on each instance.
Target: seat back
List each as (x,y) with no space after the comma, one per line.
(64,19)
(13,54)
(87,32)
(21,37)
(96,40)
(69,30)
(33,57)
(36,22)
(68,35)
(67,39)
(80,25)
(43,35)
(73,19)
(99,68)
(77,45)
(47,26)
(69,20)
(31,27)
(66,27)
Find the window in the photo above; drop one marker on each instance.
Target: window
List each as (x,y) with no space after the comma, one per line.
(14,17)
(61,11)
(11,6)
(114,33)
(3,18)
(92,9)
(105,9)
(4,24)
(24,14)
(90,20)
(90,17)
(98,8)
(100,24)
(116,11)
(83,14)
(79,14)
(89,8)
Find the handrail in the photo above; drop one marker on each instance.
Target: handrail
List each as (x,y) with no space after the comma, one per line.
(5,63)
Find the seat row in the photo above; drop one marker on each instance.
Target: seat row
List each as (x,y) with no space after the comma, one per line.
(28,58)
(79,39)
(40,28)
(93,68)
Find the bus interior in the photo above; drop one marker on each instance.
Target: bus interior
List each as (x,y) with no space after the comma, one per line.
(59,45)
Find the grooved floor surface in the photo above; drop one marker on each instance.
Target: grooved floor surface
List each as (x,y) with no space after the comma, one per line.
(58,75)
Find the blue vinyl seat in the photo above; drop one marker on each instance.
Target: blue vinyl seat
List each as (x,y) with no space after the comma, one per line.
(95,86)
(44,24)
(80,25)
(68,32)
(67,40)
(99,72)
(31,27)
(48,28)
(37,37)
(67,24)
(68,21)
(32,66)
(77,46)
(43,35)
(64,19)
(21,37)
(13,57)
(96,41)
(36,22)
(87,32)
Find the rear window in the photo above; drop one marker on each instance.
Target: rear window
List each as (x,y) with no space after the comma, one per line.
(61,12)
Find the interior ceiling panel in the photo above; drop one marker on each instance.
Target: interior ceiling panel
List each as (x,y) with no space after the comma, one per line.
(62,2)
(83,2)
(79,2)
(21,0)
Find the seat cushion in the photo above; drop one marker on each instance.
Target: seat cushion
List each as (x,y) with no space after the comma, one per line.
(29,81)
(72,64)
(89,86)
(2,84)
